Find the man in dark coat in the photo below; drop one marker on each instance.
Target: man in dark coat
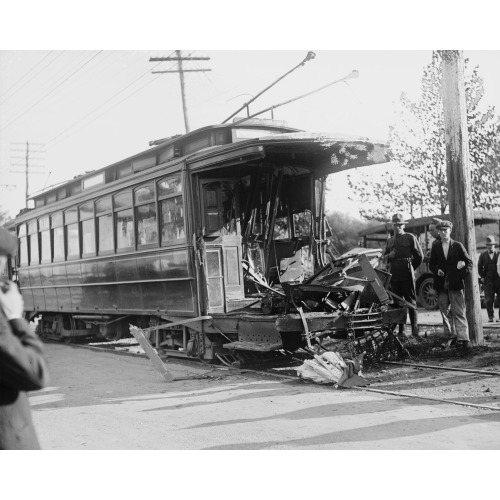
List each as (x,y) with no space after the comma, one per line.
(487,269)
(450,264)
(404,256)
(22,364)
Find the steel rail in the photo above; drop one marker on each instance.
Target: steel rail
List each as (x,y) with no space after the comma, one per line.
(483,372)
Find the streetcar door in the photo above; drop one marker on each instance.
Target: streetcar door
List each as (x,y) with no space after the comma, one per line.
(222,240)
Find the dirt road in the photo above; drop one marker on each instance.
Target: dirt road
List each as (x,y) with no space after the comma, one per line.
(104,400)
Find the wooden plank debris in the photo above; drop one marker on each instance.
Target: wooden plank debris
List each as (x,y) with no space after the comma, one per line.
(138,334)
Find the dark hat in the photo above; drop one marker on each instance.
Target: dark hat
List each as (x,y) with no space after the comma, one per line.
(398,219)
(8,242)
(436,220)
(490,240)
(444,224)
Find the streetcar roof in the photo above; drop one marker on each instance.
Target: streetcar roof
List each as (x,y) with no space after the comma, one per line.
(217,144)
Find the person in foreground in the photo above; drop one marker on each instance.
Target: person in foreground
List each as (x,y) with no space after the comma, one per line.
(22,363)
(450,264)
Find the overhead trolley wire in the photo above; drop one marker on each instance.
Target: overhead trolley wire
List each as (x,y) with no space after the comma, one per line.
(26,74)
(51,91)
(109,109)
(54,140)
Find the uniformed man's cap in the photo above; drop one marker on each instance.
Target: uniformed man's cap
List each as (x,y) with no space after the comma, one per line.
(444,224)
(398,219)
(8,242)
(490,240)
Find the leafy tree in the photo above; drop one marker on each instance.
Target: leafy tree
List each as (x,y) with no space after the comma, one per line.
(345,230)
(4,217)
(417,142)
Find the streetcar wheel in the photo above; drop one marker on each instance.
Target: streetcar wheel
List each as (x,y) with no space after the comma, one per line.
(428,295)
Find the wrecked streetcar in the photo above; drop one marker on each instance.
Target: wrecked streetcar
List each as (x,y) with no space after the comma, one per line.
(215,243)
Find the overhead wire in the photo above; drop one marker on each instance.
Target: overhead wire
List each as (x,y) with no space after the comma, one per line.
(51,91)
(55,140)
(2,101)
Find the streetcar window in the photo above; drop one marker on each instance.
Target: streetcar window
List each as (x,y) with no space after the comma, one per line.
(45,250)
(58,235)
(170,186)
(23,251)
(171,210)
(50,198)
(87,228)
(122,200)
(125,229)
(70,216)
(146,224)
(103,205)
(88,237)
(33,242)
(123,171)
(144,193)
(23,245)
(58,239)
(73,241)
(172,220)
(105,228)
(143,163)
(45,253)
(93,181)
(57,219)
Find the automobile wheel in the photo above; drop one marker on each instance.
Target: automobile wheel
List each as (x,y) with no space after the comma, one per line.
(427,294)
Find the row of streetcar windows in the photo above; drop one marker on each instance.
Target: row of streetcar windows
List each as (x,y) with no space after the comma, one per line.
(148,215)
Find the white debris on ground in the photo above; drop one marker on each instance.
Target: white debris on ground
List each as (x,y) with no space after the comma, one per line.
(127,341)
(125,345)
(330,368)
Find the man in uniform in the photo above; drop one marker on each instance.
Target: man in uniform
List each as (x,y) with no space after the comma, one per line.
(450,264)
(404,256)
(487,268)
(22,364)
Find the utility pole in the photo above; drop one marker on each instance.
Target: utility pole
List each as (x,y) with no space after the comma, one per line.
(459,178)
(181,72)
(27,166)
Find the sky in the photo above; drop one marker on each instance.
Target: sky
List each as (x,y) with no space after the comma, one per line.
(80,110)
(79,87)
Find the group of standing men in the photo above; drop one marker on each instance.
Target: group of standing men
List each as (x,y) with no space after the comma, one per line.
(450,264)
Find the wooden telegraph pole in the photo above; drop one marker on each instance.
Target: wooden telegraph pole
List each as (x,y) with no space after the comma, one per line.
(179,58)
(459,178)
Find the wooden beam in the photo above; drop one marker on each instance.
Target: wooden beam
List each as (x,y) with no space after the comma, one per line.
(152,354)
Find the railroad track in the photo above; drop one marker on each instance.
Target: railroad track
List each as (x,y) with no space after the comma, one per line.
(288,372)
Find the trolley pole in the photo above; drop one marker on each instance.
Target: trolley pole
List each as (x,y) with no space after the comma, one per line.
(180,69)
(459,178)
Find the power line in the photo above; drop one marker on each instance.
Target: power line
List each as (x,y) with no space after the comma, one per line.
(50,92)
(53,140)
(26,74)
(114,105)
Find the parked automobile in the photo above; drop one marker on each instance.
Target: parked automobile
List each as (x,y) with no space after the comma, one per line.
(426,294)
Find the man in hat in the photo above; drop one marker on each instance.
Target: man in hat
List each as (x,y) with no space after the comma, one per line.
(487,268)
(404,256)
(450,263)
(22,364)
